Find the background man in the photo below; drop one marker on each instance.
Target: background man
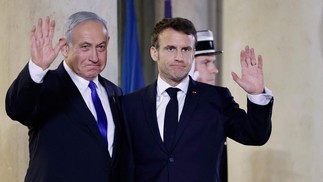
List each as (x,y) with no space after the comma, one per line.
(204,67)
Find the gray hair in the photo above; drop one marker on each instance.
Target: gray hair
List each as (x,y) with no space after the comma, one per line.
(78,18)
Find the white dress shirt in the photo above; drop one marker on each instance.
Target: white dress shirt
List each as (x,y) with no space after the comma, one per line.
(37,75)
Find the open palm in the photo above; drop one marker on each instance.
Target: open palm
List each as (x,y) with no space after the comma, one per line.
(252,73)
(42,52)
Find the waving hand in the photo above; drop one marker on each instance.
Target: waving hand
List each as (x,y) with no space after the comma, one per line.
(42,52)
(252,73)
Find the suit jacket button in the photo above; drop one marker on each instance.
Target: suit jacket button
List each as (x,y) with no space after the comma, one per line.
(171,159)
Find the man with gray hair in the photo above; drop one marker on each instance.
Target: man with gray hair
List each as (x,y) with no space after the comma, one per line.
(72,113)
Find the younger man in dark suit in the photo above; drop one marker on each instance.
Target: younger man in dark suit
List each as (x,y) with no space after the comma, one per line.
(72,112)
(190,148)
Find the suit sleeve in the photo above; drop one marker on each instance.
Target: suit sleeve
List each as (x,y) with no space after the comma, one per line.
(249,128)
(22,98)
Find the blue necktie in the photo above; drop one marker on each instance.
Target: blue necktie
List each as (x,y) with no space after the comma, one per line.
(171,118)
(101,116)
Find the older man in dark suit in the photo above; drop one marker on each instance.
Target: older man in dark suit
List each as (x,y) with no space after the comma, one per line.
(72,113)
(177,126)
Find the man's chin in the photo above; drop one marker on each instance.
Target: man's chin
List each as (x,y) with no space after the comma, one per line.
(91,76)
(211,82)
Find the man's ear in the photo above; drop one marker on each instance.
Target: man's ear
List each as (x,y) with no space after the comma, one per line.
(154,53)
(64,50)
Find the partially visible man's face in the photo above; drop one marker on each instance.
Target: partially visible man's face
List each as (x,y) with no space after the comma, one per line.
(87,56)
(205,65)
(174,55)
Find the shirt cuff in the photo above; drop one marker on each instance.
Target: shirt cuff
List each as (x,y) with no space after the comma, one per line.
(261,99)
(36,73)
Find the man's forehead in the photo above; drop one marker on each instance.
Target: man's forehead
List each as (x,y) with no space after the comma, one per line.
(176,39)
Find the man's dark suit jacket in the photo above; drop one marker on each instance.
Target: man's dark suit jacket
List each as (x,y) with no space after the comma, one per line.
(209,116)
(64,140)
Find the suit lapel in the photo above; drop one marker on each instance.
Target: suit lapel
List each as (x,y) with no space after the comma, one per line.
(78,110)
(191,101)
(113,100)
(149,103)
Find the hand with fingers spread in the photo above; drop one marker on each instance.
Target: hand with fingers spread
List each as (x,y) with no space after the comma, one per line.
(252,73)
(42,52)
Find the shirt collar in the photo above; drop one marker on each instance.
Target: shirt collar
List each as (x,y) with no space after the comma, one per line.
(162,85)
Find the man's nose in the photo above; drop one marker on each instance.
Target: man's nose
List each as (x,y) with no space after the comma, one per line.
(179,55)
(94,55)
(214,69)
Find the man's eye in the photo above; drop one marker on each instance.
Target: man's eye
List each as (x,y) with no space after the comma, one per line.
(85,46)
(170,49)
(186,49)
(101,47)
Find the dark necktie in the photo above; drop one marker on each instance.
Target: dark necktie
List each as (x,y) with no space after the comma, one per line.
(171,118)
(101,116)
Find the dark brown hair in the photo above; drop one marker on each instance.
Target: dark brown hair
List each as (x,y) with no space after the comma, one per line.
(178,24)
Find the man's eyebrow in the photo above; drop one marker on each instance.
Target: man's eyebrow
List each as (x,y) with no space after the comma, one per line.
(170,46)
(104,42)
(188,47)
(85,42)
(82,43)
